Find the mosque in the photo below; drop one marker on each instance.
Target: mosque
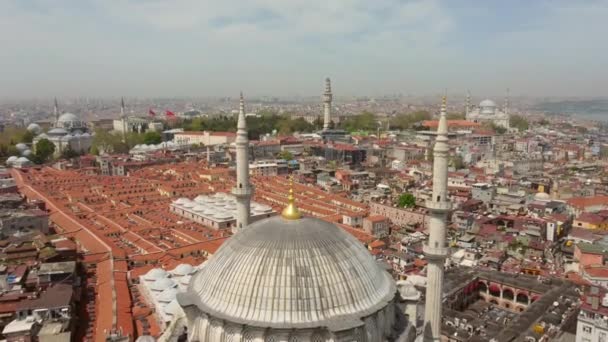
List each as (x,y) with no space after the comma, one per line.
(488,112)
(68,132)
(292,278)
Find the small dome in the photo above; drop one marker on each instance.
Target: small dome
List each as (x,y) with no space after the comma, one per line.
(27,153)
(155,274)
(185,280)
(57,131)
(173,308)
(10,160)
(183,269)
(182,200)
(34,128)
(145,338)
(199,208)
(42,136)
(167,295)
(200,199)
(542,196)
(162,284)
(21,147)
(22,160)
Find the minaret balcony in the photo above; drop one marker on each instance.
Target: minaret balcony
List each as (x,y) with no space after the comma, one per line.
(439,206)
(246,191)
(434,253)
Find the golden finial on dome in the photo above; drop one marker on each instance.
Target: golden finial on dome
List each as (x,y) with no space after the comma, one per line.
(291,212)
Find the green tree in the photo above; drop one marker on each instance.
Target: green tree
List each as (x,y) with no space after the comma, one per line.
(455,116)
(365,121)
(44,150)
(407,200)
(106,142)
(409,120)
(519,122)
(318,123)
(286,155)
(27,137)
(68,153)
(152,138)
(94,150)
(457,162)
(498,129)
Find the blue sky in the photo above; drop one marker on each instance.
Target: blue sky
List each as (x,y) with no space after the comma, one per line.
(287,47)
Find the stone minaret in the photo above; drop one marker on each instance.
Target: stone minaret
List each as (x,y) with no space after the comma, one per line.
(123,120)
(56,113)
(506,105)
(327,97)
(467,105)
(243,190)
(435,250)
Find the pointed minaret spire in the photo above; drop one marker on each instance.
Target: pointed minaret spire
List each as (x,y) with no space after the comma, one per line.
(327,98)
(243,190)
(506,105)
(467,104)
(435,250)
(123,120)
(56,113)
(122,107)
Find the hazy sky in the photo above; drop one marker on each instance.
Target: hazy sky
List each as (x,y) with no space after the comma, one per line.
(287,47)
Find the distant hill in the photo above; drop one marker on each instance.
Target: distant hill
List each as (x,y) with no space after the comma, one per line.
(588,109)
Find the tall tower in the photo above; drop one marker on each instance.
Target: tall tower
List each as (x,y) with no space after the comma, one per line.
(123,120)
(327,97)
(56,113)
(243,190)
(435,250)
(506,105)
(467,104)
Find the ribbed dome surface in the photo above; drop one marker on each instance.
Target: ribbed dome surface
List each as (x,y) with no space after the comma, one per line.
(289,274)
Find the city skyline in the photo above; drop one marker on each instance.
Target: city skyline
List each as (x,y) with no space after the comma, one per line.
(193,48)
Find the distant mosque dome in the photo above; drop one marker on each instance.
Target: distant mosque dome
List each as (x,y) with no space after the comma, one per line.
(34,128)
(68,117)
(27,153)
(487,107)
(57,131)
(70,121)
(487,103)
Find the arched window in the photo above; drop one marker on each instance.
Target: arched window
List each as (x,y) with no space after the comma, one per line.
(522,298)
(507,294)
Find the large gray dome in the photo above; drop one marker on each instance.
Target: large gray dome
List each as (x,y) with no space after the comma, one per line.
(68,118)
(282,273)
